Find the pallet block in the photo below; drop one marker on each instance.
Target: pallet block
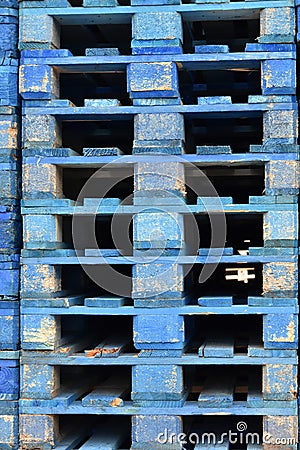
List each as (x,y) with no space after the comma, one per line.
(164,126)
(9,376)
(148,432)
(157,281)
(281,178)
(41,131)
(38,431)
(277,25)
(40,280)
(281,429)
(154,385)
(156,184)
(40,332)
(148,332)
(45,36)
(158,231)
(278,77)
(279,382)
(10,232)
(280,331)
(42,181)
(9,326)
(9,182)
(158,133)
(148,80)
(9,131)
(280,127)
(9,426)
(9,275)
(280,279)
(39,381)
(8,86)
(38,82)
(280,228)
(41,230)
(9,33)
(157,33)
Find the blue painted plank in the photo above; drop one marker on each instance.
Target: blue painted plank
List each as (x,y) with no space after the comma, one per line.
(217,347)
(154,2)
(212,49)
(102,51)
(110,392)
(99,3)
(108,151)
(104,302)
(217,391)
(225,302)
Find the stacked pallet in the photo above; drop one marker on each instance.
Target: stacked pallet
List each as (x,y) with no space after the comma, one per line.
(10,230)
(186,127)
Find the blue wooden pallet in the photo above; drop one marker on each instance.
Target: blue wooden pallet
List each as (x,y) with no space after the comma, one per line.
(277,334)
(146,430)
(40,385)
(280,74)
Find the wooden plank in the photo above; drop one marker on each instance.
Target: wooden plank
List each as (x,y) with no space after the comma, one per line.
(218,346)
(218,391)
(109,438)
(109,393)
(109,348)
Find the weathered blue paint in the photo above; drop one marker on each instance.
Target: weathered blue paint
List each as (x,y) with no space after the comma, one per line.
(148,332)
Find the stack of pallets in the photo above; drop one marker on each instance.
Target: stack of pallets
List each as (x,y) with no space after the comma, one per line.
(10,230)
(146,125)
